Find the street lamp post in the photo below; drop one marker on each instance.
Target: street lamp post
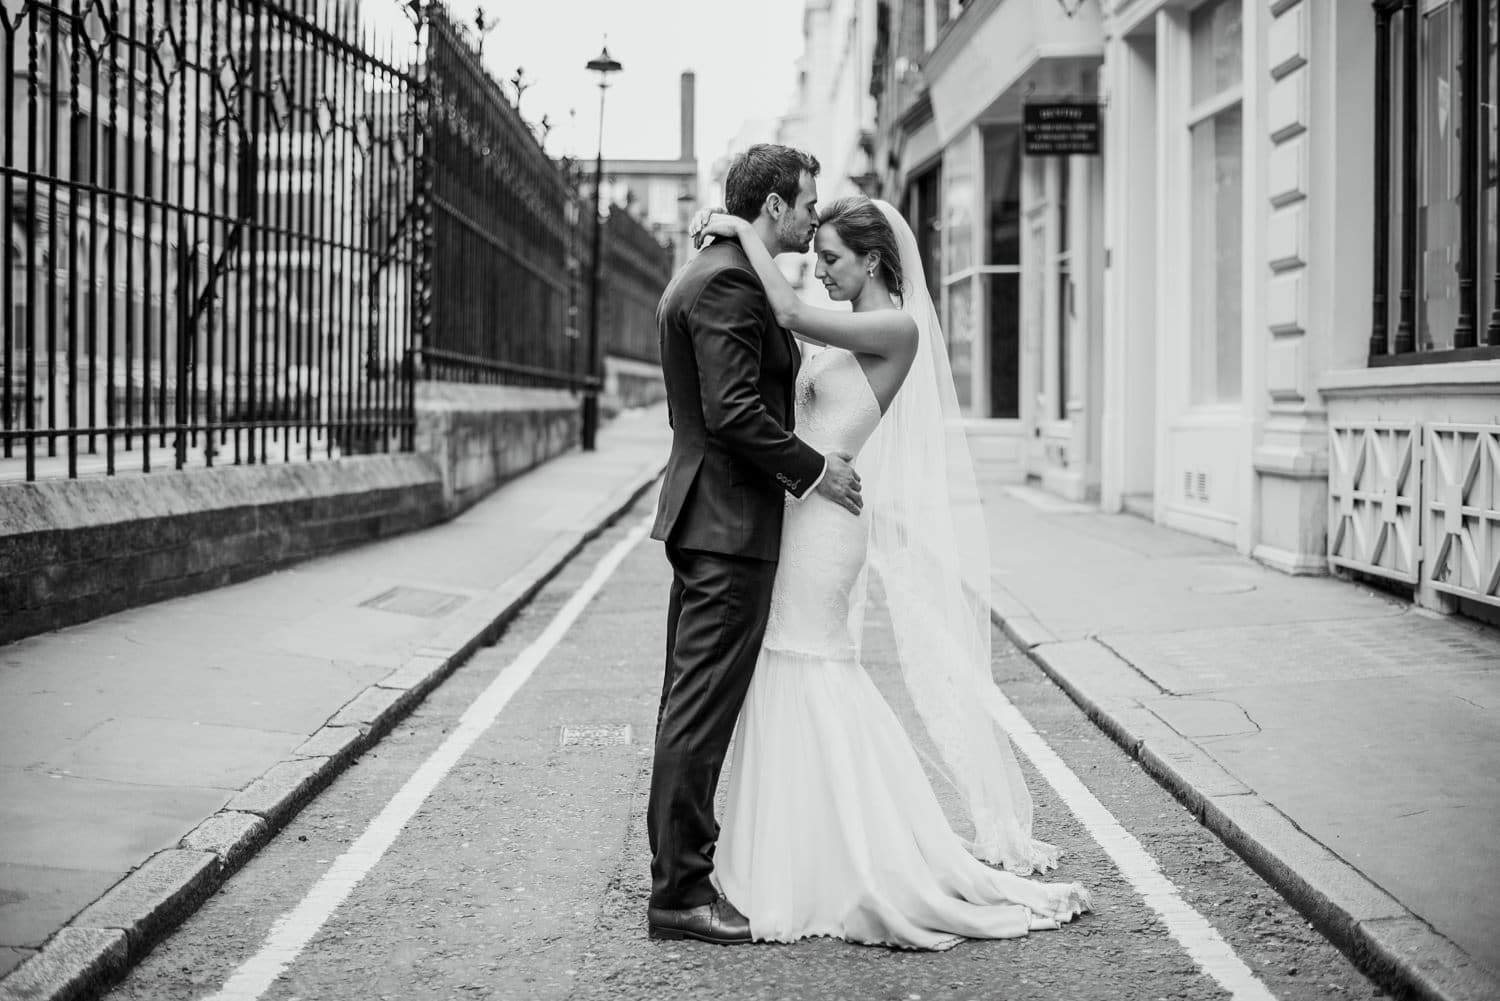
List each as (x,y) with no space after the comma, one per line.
(604,65)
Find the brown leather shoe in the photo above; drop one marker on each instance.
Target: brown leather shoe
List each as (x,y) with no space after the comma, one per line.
(717,922)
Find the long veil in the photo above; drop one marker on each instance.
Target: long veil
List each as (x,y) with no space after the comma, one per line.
(929,550)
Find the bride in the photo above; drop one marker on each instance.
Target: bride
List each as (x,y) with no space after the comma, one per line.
(832,827)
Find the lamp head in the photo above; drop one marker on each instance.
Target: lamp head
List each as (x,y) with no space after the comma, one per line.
(604,64)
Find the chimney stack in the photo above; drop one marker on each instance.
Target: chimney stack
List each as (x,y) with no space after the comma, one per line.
(688,84)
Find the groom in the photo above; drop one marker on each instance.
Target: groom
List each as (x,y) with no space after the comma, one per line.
(729,371)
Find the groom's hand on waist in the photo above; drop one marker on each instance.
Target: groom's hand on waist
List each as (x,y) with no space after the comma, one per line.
(840,483)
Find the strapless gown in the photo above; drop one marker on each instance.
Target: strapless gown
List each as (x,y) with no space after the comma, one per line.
(832,827)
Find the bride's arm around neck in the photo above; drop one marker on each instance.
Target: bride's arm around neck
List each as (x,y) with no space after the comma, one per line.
(883,333)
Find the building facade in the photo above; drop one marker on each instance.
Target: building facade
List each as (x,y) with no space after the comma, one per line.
(1012,244)
(1185,392)
(1265,312)
(661,194)
(833,112)
(1319,297)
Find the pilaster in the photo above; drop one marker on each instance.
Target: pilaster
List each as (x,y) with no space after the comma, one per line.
(1291,453)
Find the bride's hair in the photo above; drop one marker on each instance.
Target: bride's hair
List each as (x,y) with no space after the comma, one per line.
(864,230)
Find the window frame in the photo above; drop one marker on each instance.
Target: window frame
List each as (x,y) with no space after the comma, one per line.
(1211,106)
(1198,113)
(1394,310)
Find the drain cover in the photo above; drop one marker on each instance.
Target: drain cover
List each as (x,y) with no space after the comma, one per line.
(415,601)
(1227,587)
(595,734)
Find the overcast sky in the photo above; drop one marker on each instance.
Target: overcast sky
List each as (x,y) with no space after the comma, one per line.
(744,53)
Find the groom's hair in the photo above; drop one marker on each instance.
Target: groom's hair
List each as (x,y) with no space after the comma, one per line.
(760,170)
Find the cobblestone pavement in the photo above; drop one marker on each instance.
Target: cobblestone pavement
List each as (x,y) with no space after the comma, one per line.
(524,874)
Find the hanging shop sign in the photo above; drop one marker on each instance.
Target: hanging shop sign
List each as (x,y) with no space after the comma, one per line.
(1061,128)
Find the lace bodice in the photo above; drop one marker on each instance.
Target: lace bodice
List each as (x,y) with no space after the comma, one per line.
(836,409)
(823,545)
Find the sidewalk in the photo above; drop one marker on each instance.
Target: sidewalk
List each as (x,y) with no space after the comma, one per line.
(145,755)
(1345,743)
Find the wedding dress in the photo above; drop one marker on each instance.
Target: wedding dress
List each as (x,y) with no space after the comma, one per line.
(832,827)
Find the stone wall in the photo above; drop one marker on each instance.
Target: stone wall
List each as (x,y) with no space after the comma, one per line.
(631,383)
(481,436)
(75,550)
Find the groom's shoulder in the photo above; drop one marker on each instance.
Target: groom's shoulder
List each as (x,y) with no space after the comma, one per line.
(713,260)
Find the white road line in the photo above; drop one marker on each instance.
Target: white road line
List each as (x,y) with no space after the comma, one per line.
(293,930)
(1200,939)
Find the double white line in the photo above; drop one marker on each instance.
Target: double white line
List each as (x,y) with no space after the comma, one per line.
(293,930)
(1192,931)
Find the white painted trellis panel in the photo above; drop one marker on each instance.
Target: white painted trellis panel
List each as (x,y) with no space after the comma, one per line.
(1461,508)
(1374,522)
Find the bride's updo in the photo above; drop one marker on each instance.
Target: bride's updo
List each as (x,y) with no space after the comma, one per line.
(864,230)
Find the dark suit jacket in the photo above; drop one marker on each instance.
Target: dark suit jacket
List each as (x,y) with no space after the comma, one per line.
(729,370)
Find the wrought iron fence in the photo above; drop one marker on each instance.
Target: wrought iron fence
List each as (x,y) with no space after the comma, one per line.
(635,271)
(512,239)
(209,208)
(239,229)
(500,282)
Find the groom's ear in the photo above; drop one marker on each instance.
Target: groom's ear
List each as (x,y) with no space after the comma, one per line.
(773,205)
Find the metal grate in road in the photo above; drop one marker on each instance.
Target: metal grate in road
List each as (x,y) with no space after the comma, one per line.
(416,601)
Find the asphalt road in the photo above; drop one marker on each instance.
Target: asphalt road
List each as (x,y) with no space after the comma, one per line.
(524,873)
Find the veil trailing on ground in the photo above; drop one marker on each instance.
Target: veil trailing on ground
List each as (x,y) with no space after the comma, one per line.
(929,550)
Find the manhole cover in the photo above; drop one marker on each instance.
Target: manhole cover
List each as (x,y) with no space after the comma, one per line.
(415,601)
(595,734)
(1225,588)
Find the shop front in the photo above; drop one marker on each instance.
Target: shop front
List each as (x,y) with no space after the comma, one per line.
(1010,241)
(1180,381)
(1414,397)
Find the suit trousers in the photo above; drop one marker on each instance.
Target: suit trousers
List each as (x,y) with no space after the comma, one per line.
(716,618)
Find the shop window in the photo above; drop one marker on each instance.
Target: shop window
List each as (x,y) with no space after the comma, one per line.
(1064,264)
(1002,185)
(1002,296)
(959,271)
(1489,291)
(1215,125)
(1001,268)
(1436,271)
(926,216)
